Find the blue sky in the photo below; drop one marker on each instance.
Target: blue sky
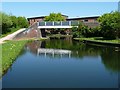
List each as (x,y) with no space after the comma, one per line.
(72,9)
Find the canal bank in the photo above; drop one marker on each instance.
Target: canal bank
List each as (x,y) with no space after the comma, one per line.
(115,43)
(10,51)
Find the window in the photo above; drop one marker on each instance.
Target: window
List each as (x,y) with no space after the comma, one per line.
(85,20)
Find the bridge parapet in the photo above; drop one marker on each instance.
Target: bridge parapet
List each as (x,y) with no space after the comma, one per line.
(58,23)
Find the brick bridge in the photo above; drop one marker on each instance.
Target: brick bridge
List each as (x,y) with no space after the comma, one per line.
(37,30)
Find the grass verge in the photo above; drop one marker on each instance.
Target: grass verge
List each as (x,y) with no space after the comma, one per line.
(98,39)
(10,51)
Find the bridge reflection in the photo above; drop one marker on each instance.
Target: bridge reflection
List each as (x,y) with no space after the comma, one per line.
(38,48)
(54,52)
(72,49)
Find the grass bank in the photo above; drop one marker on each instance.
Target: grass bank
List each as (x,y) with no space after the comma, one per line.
(98,39)
(10,51)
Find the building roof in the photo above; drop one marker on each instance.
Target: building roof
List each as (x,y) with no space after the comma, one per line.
(83,18)
(64,15)
(36,17)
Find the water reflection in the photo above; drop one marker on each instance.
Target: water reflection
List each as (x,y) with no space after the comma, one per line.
(64,64)
(53,52)
(73,49)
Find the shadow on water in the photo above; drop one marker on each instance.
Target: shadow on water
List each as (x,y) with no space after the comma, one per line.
(79,50)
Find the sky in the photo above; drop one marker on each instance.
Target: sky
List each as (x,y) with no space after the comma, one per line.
(72,9)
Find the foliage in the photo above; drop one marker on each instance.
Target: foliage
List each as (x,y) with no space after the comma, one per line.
(110,25)
(55,17)
(14,21)
(80,31)
(10,51)
(12,30)
(22,22)
(75,32)
(8,22)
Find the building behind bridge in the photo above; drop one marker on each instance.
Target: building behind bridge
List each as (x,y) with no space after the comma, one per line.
(41,18)
(89,21)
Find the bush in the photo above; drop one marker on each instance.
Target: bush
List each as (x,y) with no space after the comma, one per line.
(6,22)
(10,21)
(110,25)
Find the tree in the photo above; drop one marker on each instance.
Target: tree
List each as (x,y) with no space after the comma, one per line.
(14,21)
(22,22)
(55,17)
(110,25)
(6,22)
(75,32)
(81,31)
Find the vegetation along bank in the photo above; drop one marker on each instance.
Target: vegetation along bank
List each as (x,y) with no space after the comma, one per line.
(10,51)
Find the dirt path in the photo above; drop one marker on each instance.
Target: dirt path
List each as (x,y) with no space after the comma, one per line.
(11,36)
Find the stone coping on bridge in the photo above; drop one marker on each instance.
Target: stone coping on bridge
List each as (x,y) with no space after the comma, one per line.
(48,27)
(58,23)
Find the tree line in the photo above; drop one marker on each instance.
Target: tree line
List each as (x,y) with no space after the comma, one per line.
(109,27)
(10,22)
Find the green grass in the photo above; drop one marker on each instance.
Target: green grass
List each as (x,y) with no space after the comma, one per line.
(98,39)
(12,31)
(10,51)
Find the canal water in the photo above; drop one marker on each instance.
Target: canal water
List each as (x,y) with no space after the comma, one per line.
(63,64)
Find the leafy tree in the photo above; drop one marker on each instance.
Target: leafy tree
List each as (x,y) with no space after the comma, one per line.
(75,32)
(14,21)
(110,24)
(6,22)
(80,31)
(22,22)
(55,17)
